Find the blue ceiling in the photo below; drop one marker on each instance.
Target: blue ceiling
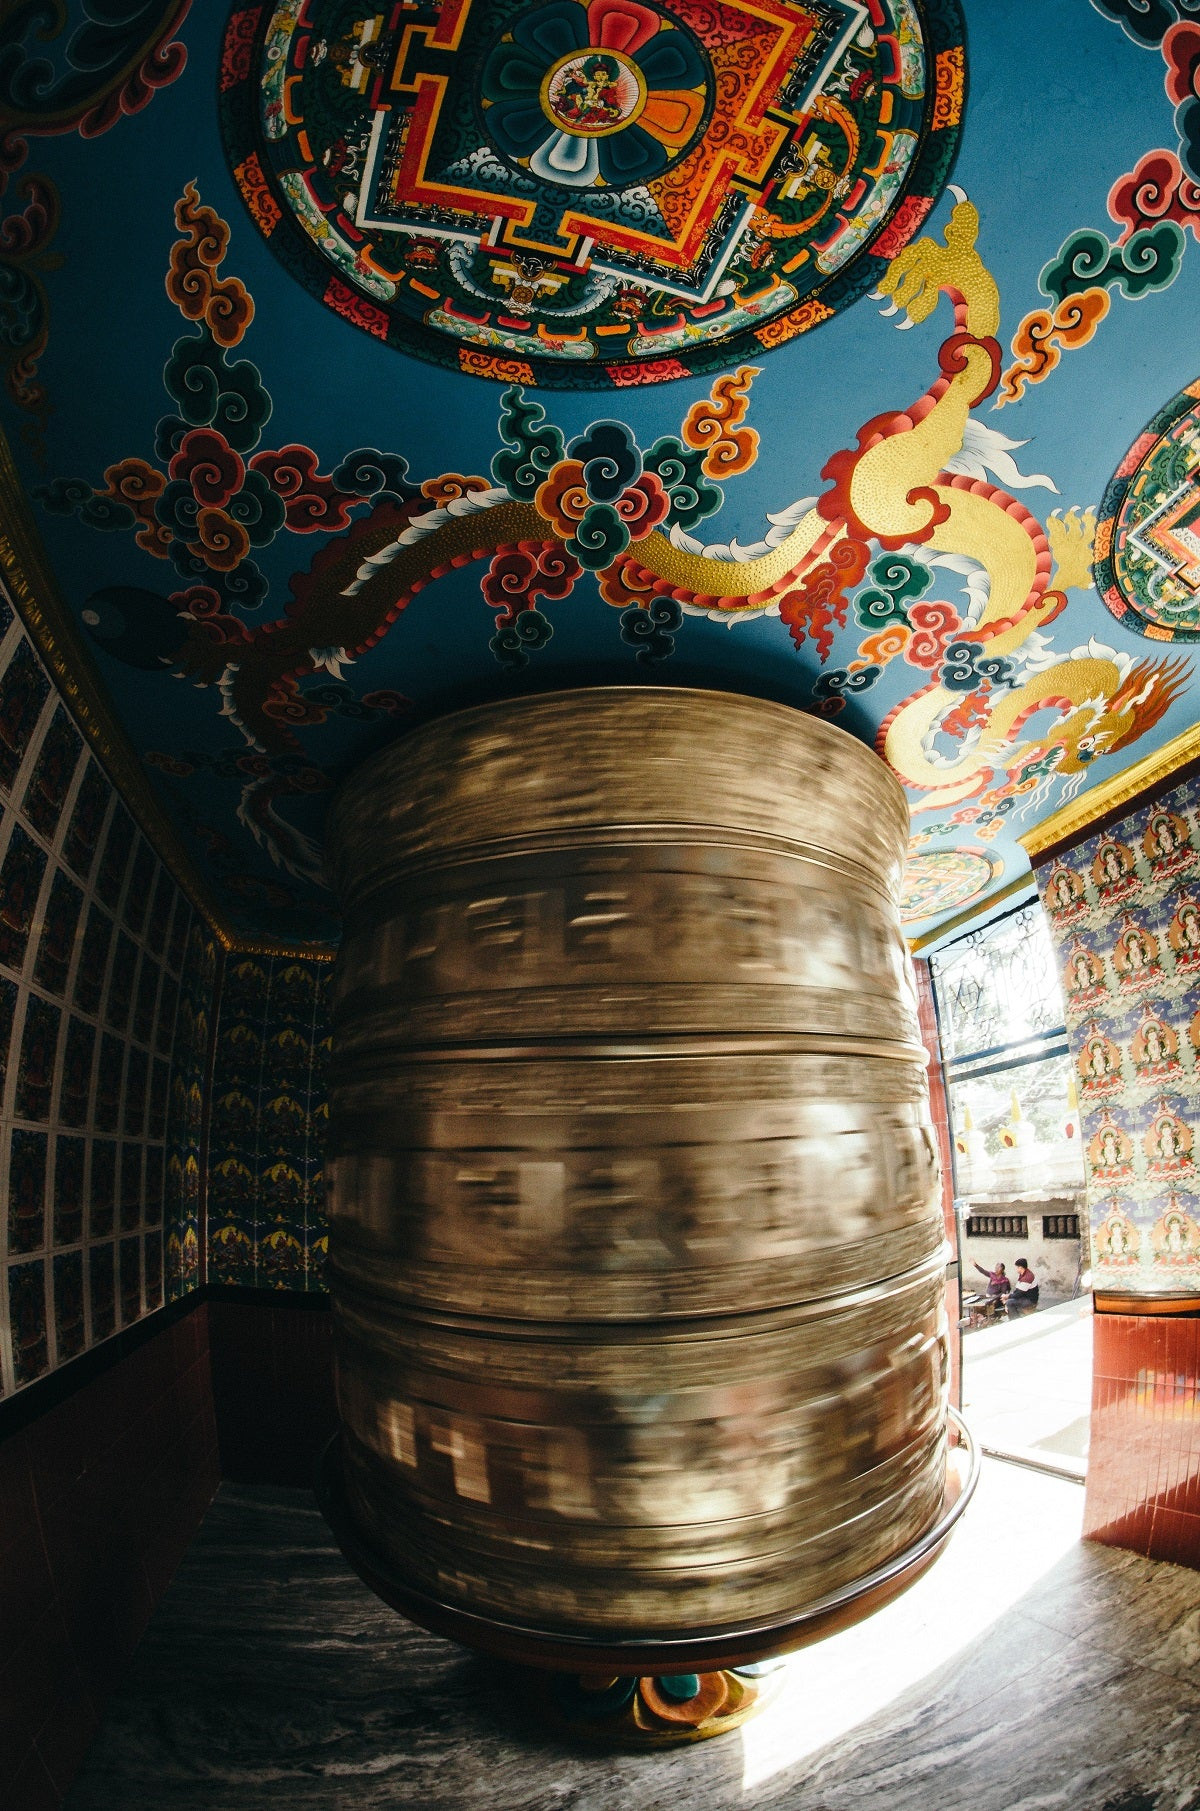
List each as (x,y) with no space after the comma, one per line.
(1063,101)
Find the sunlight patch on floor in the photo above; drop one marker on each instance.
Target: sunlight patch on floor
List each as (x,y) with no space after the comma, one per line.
(1018,1527)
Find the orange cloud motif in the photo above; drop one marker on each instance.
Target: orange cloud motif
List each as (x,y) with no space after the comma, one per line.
(1044,335)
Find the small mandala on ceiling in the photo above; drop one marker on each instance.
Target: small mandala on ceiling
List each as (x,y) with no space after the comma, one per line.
(1147,548)
(940,879)
(586,193)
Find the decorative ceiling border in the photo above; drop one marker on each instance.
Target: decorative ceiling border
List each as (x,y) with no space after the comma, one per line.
(27,572)
(1133,785)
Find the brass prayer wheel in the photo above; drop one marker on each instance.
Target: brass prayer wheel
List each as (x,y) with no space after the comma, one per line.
(635,1250)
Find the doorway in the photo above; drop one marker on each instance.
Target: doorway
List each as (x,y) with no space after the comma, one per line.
(1020,1193)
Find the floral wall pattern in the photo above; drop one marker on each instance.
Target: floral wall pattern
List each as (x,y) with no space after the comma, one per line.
(266,1204)
(1124,911)
(100,1063)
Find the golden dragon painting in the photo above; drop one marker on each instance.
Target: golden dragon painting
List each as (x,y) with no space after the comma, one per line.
(549,511)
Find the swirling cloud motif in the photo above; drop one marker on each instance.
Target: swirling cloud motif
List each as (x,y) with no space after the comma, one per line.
(1157,188)
(533,446)
(209,392)
(222,303)
(310,501)
(600,538)
(213,470)
(966,667)
(933,625)
(519,575)
(680,470)
(138,484)
(651,629)
(840,682)
(1146,21)
(896,580)
(1147,260)
(1087,265)
(74,496)
(1181,51)
(1043,337)
(383,477)
(715,425)
(511,642)
(610,459)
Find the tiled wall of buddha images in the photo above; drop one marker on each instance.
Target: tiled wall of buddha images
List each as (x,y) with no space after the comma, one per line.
(266,1204)
(1124,911)
(105,981)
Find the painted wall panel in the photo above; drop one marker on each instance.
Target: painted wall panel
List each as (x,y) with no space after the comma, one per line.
(1124,912)
(106,985)
(266,1203)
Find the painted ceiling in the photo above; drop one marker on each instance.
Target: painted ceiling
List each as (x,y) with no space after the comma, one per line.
(364,362)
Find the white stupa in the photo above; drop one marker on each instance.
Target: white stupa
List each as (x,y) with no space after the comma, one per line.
(973,1166)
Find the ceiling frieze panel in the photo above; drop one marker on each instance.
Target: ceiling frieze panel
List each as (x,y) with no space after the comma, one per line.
(1148,538)
(587,193)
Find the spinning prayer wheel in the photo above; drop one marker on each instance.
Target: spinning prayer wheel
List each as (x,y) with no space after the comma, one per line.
(636,1251)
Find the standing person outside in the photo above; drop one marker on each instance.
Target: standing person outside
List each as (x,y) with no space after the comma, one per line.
(1023,1296)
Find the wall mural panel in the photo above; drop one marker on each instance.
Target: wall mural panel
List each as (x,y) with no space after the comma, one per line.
(1124,911)
(266,1201)
(605,193)
(98,1174)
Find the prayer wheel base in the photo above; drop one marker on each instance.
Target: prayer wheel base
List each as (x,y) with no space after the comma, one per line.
(652,1710)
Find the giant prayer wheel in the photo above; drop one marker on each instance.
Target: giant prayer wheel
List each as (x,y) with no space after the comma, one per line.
(636,1250)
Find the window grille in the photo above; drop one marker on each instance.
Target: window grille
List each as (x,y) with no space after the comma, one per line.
(1003,1034)
(999,1000)
(998,1226)
(1060,1226)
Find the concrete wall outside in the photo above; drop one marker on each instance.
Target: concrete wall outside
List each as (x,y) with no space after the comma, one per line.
(1056,1263)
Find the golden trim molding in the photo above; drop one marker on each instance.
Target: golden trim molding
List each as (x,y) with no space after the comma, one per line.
(29,579)
(282,952)
(1124,788)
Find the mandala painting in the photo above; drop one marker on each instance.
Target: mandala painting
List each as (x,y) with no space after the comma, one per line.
(1148,540)
(591,192)
(940,879)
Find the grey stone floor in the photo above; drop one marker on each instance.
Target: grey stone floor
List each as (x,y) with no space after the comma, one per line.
(1026,1671)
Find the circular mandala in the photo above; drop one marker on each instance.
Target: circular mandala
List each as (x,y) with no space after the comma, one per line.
(940,879)
(1147,548)
(586,193)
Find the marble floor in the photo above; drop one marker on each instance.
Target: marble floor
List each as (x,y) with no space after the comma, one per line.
(1027,1671)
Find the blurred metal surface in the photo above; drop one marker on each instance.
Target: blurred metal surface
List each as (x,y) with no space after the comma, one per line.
(635,1246)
